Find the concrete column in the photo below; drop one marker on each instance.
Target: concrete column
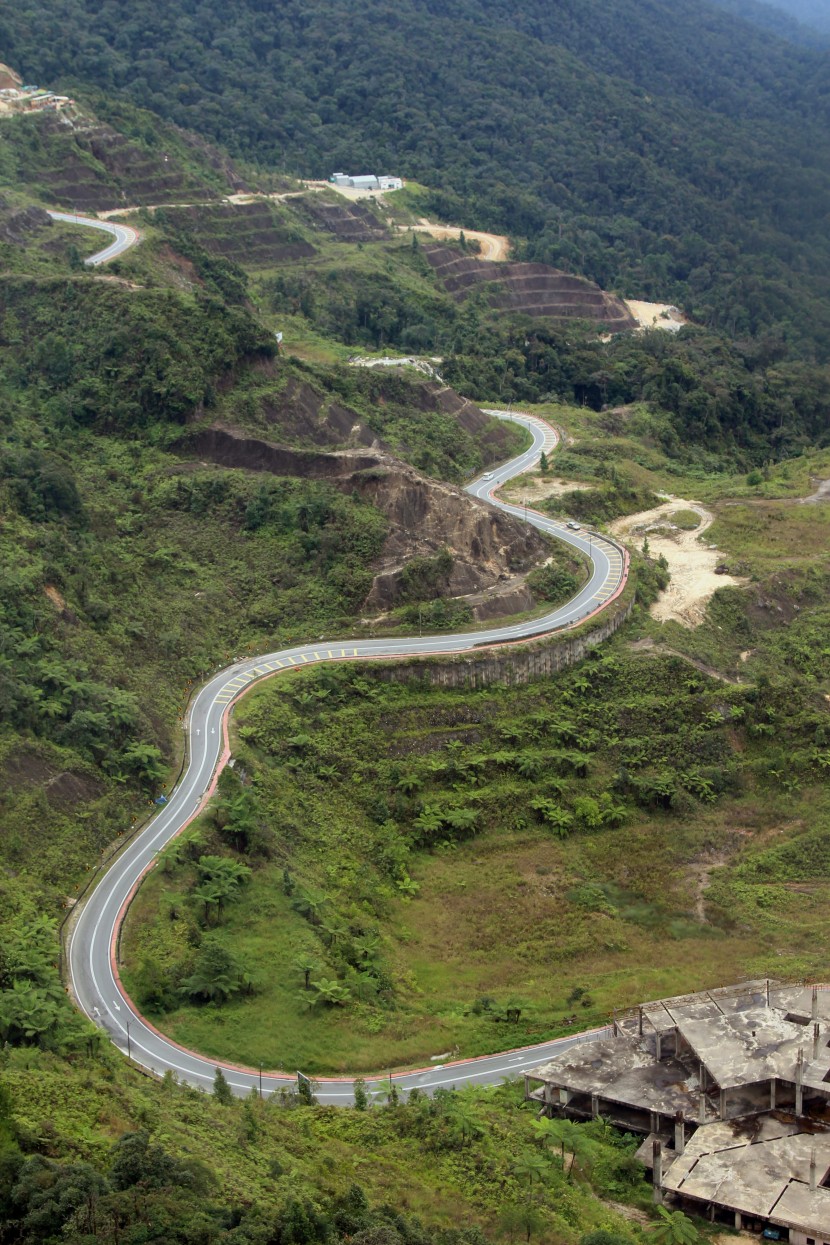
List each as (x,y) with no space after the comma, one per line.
(799,1079)
(772,1094)
(658,1045)
(722,1105)
(815,1040)
(640,1020)
(701,1108)
(738,1221)
(564,1098)
(679,1133)
(814,1009)
(594,1105)
(657,1170)
(813,1174)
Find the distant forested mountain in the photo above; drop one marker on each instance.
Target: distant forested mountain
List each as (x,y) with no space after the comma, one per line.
(790,24)
(664,150)
(815,13)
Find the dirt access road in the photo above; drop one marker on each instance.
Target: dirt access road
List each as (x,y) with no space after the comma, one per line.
(494,247)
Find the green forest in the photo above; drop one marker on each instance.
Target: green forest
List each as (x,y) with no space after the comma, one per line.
(394,868)
(593,138)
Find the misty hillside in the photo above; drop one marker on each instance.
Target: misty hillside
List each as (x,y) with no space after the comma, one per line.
(815,13)
(785,20)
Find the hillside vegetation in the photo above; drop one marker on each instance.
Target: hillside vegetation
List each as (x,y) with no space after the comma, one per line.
(637,827)
(661,151)
(390,868)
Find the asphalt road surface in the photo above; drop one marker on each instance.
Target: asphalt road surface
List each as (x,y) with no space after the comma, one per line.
(93,941)
(123,236)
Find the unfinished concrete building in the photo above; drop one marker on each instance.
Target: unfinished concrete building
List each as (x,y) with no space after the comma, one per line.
(732,1088)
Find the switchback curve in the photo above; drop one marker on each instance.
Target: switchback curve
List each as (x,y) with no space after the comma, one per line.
(123,236)
(93,942)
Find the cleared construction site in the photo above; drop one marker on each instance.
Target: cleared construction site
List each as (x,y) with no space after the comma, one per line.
(731,1088)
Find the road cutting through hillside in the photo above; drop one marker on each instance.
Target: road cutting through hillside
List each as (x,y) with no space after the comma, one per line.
(124,236)
(93,942)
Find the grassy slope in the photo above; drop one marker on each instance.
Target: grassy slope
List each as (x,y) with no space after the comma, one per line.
(765,906)
(406,1157)
(586,913)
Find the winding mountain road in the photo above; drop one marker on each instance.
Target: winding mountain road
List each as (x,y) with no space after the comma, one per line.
(93,945)
(123,236)
(93,941)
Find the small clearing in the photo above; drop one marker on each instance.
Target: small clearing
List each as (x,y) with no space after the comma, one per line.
(656,315)
(532,489)
(51,591)
(348,192)
(691,561)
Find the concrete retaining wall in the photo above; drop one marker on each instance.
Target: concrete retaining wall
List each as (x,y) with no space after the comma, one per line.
(508,665)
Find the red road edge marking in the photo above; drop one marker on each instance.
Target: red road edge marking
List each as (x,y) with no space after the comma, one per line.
(220,765)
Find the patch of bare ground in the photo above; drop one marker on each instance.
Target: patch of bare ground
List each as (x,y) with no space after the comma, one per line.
(537,488)
(55,597)
(510,596)
(821,494)
(700,874)
(692,562)
(656,315)
(733,1238)
(25,769)
(111,280)
(633,1213)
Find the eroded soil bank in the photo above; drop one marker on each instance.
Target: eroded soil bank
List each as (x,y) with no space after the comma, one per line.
(692,561)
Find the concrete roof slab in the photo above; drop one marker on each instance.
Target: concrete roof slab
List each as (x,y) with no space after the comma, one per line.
(800,1208)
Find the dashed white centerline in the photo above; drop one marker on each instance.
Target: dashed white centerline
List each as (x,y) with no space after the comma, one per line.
(89,950)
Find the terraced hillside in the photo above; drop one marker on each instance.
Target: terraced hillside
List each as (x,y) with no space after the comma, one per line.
(535,289)
(88,166)
(252,234)
(349,222)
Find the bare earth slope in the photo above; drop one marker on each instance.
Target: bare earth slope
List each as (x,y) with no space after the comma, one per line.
(424,515)
(692,563)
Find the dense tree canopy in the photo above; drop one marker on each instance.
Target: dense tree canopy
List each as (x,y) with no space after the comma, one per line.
(666,151)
